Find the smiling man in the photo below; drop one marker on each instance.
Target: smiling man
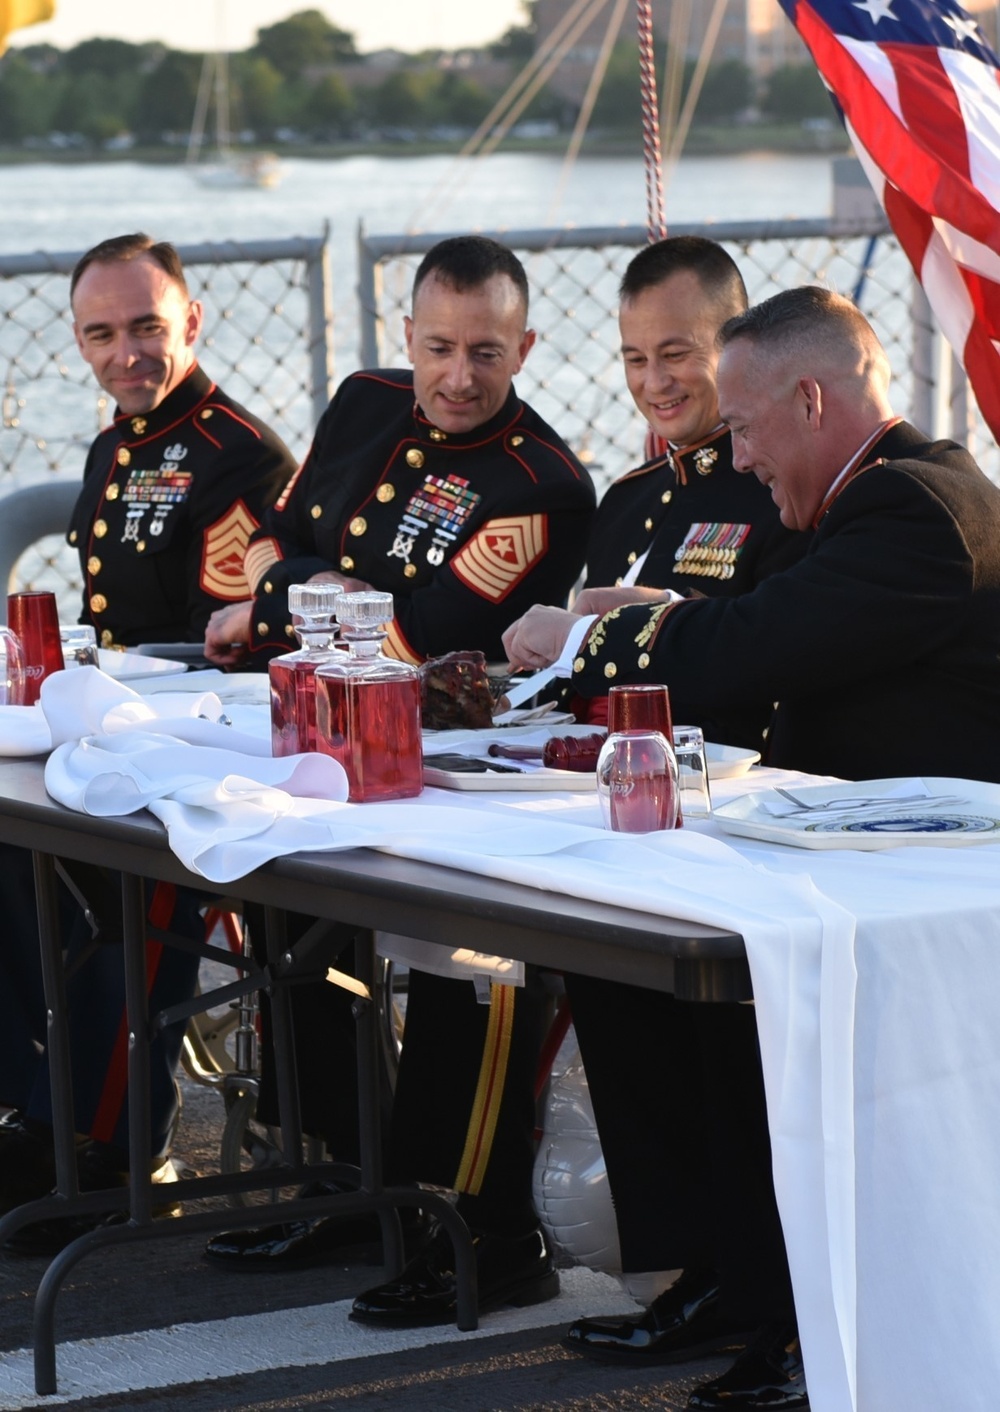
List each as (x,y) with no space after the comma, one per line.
(440,486)
(685,520)
(171,492)
(889,624)
(174,488)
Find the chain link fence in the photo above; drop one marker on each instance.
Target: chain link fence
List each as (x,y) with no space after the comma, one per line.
(574,376)
(266,340)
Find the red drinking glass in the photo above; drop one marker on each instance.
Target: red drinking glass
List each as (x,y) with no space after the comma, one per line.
(639,708)
(34,619)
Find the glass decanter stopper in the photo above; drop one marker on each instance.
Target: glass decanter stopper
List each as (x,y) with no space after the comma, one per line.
(293,676)
(368,706)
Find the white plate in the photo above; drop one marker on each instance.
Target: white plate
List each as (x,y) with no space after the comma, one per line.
(728,762)
(724,761)
(540,779)
(975,819)
(133,666)
(232,688)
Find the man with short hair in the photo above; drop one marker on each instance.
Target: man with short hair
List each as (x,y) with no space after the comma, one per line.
(442,487)
(685,520)
(172,490)
(439,485)
(889,623)
(175,487)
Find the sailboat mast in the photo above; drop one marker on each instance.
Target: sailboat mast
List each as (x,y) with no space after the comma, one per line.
(222,133)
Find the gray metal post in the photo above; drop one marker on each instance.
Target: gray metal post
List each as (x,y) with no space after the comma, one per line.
(963,405)
(931,367)
(321,325)
(369,303)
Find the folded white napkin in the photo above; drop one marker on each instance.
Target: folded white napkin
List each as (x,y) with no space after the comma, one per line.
(24,731)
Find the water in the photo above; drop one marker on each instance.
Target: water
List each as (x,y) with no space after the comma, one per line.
(69,207)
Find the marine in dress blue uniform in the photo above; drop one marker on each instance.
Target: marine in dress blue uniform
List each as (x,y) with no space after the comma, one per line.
(168,503)
(442,487)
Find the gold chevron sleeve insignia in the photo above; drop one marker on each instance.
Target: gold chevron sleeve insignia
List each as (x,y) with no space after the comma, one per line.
(396,645)
(290,485)
(258,559)
(499,555)
(223,549)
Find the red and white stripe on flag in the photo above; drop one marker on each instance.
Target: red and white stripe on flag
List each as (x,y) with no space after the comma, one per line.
(919,89)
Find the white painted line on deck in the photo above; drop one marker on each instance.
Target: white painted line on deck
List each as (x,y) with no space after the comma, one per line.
(289,1338)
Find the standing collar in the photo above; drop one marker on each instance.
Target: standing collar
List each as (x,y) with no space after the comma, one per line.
(195,387)
(508,415)
(859,461)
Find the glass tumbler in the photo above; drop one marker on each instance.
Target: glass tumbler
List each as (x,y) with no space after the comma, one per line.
(637,782)
(12,678)
(32,616)
(692,772)
(79,645)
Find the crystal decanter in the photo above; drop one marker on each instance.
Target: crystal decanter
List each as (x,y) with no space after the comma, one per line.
(368,706)
(293,676)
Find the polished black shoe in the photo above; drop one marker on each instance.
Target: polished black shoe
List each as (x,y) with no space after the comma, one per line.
(683,1322)
(768,1377)
(50,1236)
(514,1270)
(27,1160)
(300,1245)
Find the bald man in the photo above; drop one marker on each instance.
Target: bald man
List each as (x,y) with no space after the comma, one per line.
(887,626)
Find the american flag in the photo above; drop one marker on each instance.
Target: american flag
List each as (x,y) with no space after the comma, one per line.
(919,89)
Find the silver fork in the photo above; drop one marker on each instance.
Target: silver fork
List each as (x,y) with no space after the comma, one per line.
(850,805)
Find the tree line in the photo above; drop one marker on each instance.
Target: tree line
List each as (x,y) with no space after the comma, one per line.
(304,80)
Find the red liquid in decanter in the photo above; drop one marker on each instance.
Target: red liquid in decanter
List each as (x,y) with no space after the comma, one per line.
(372,727)
(368,706)
(293,676)
(293,705)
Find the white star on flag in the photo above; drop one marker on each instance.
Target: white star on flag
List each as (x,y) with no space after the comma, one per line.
(877,9)
(964,29)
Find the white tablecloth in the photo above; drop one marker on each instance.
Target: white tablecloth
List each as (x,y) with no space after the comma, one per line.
(876,976)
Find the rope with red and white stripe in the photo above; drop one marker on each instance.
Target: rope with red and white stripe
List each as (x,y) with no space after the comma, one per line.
(656,219)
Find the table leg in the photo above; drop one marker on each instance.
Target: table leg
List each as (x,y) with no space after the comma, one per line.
(137,1011)
(283,1038)
(369,1105)
(57,1024)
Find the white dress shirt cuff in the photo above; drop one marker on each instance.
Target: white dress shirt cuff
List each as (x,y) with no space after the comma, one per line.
(564,666)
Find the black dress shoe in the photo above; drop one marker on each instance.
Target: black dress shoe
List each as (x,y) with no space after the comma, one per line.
(300,1245)
(768,1377)
(514,1270)
(683,1322)
(96,1173)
